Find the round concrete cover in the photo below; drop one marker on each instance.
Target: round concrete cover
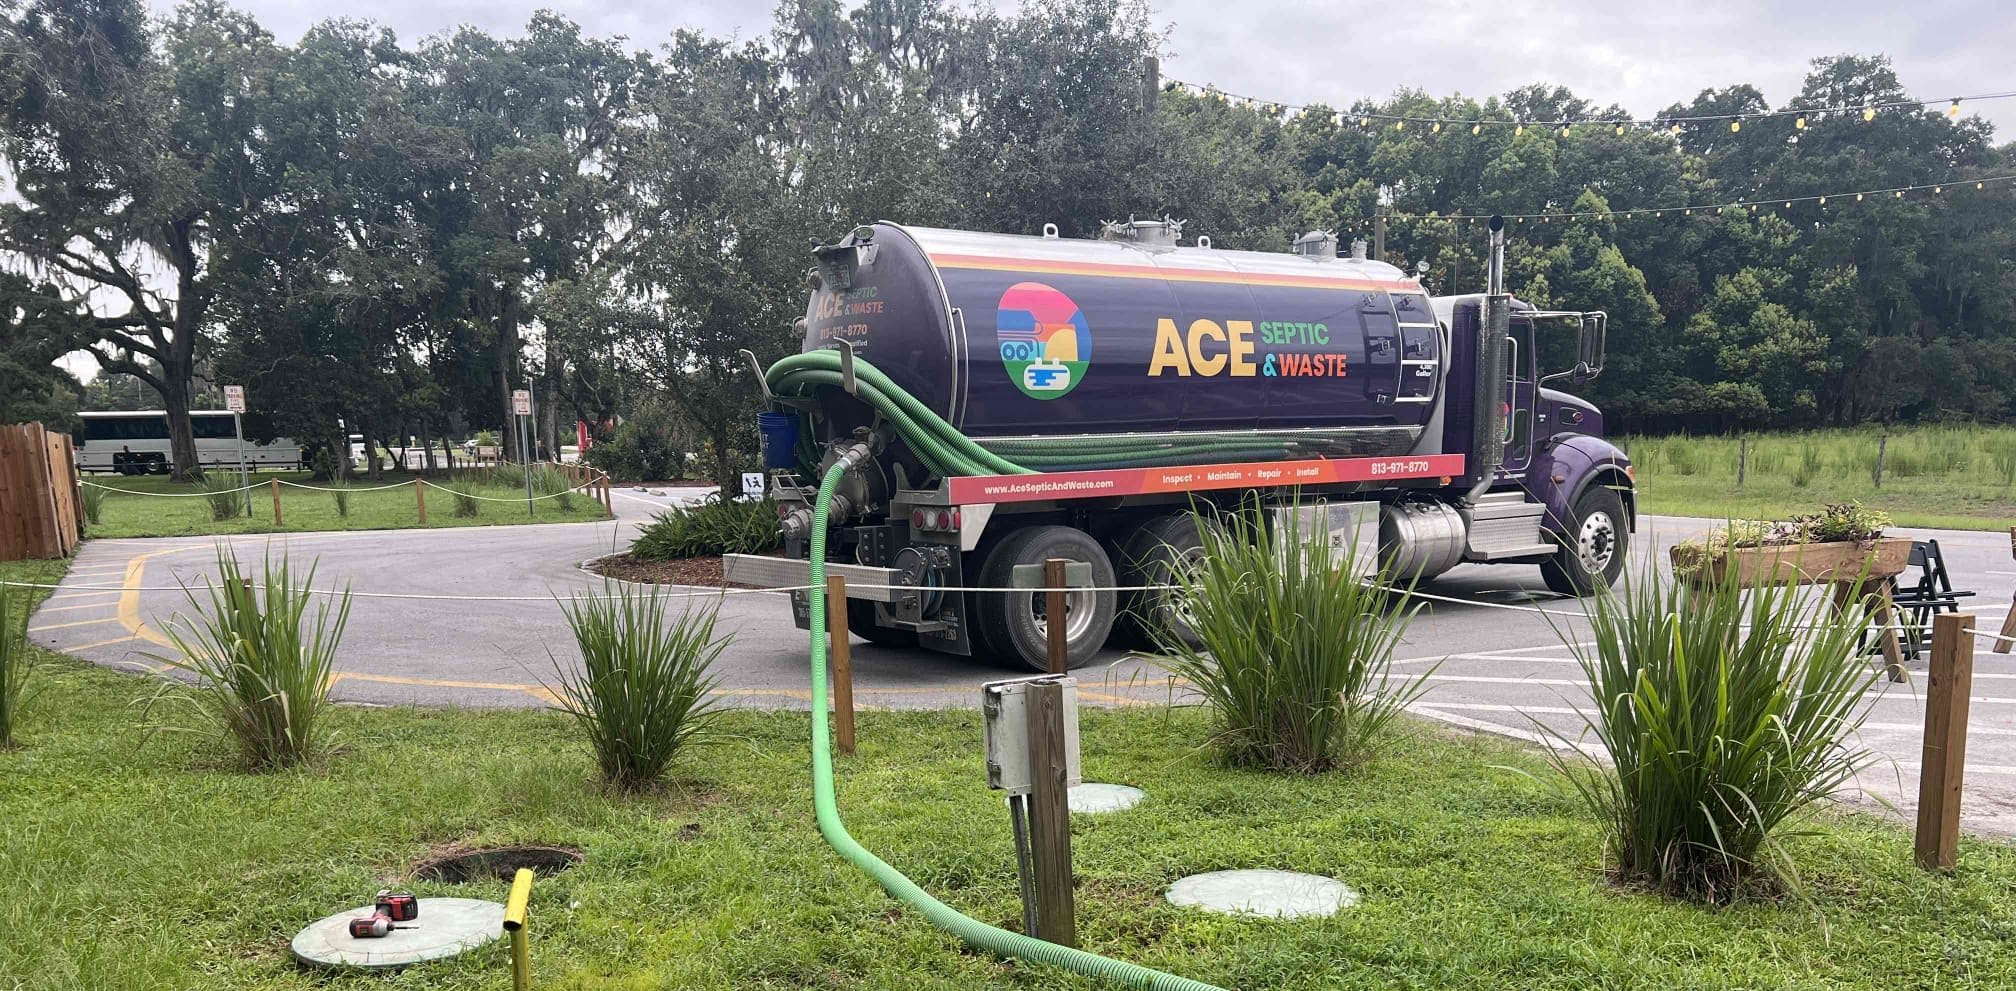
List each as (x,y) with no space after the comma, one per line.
(1269,894)
(1094,798)
(445,927)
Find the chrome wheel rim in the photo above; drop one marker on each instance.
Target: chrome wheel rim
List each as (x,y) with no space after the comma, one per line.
(1596,545)
(1077,613)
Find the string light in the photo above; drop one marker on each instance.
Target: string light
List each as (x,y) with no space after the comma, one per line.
(1735,125)
(1737,207)
(1437,129)
(1801,117)
(1521,129)
(1620,129)
(1476,129)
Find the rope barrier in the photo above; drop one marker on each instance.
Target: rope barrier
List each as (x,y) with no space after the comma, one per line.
(549,495)
(342,488)
(172,495)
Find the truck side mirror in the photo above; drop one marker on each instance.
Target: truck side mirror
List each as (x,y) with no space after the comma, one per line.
(1590,346)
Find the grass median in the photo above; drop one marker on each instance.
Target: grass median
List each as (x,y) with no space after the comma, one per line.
(136,862)
(1959,477)
(159,507)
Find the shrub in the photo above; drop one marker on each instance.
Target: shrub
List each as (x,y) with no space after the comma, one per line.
(14,663)
(712,526)
(340,491)
(1725,711)
(94,503)
(549,480)
(222,493)
(1842,521)
(466,505)
(1292,650)
(641,693)
(260,664)
(646,447)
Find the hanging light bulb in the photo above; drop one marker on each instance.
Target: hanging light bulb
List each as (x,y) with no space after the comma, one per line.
(1954,110)
(1978,185)
(1937,189)
(1676,129)
(1437,129)
(1521,129)
(1620,129)
(1800,123)
(1399,125)
(1735,125)
(1868,113)
(1788,204)
(1858,197)
(1753,208)
(1688,212)
(1476,128)
(1823,201)
(1900,194)
(1361,122)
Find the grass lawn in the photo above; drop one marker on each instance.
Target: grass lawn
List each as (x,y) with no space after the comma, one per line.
(129,862)
(1961,478)
(302,510)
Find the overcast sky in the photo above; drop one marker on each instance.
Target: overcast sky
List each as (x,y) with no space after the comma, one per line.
(1643,55)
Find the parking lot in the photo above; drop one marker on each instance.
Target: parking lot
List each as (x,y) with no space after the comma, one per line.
(469,617)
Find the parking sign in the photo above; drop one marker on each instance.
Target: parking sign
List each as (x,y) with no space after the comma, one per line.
(234,398)
(521,402)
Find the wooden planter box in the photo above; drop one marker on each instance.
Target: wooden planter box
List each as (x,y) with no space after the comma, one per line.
(1836,562)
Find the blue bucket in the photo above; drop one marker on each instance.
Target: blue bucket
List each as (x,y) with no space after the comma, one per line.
(780,439)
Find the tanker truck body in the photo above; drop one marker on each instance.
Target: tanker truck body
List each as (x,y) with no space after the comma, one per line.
(1002,400)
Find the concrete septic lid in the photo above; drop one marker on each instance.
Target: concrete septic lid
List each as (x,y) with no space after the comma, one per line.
(1268,894)
(444,928)
(1091,798)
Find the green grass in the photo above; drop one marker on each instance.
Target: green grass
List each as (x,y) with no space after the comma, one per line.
(1961,477)
(159,866)
(302,510)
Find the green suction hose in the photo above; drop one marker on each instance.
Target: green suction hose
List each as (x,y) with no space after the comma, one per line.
(976,933)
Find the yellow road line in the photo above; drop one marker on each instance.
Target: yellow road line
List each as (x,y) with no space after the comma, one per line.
(46,627)
(83,595)
(74,647)
(536,691)
(129,600)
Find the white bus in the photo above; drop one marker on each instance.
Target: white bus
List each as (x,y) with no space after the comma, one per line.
(136,443)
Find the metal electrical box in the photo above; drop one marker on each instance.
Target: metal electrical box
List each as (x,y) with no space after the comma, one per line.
(1006,716)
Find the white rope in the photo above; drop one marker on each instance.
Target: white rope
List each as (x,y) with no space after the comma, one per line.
(172,495)
(550,495)
(695,593)
(341,488)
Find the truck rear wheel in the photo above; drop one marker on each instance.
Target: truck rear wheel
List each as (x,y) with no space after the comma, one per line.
(1593,550)
(1156,554)
(1013,625)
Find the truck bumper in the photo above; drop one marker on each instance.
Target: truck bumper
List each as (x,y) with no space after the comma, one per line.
(784,572)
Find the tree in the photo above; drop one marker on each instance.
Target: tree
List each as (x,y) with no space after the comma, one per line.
(132,160)
(37,326)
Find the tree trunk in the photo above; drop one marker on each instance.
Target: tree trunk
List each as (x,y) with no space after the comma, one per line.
(724,472)
(426,445)
(181,437)
(507,368)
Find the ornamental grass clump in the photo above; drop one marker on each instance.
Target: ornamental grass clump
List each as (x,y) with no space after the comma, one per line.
(14,663)
(1291,647)
(221,494)
(641,691)
(260,660)
(339,490)
(1726,710)
(93,497)
(711,526)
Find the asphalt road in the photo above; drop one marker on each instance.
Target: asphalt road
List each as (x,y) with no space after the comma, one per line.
(468,617)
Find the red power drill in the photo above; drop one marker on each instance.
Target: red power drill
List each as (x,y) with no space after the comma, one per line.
(388,907)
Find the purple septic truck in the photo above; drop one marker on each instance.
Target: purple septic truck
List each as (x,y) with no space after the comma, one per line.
(1137,378)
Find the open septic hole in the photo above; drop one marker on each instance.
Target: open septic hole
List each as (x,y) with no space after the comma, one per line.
(503,862)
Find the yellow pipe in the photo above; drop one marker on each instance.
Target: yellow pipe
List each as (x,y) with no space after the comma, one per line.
(514,923)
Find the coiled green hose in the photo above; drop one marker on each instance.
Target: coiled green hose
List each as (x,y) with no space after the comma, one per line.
(976,933)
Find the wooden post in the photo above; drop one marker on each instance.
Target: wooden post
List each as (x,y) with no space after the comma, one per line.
(420,499)
(1882,448)
(1050,813)
(1053,613)
(1742,459)
(1945,754)
(276,502)
(1885,610)
(843,663)
(2008,622)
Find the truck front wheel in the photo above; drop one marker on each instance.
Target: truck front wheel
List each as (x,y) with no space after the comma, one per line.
(1593,550)
(1014,625)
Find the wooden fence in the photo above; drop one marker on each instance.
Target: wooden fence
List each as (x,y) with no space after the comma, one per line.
(41,503)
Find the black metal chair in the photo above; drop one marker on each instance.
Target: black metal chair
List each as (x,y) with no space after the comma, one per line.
(1933,593)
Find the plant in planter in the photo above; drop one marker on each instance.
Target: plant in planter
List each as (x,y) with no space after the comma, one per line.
(1842,543)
